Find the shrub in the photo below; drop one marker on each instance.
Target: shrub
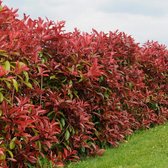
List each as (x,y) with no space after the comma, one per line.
(64,94)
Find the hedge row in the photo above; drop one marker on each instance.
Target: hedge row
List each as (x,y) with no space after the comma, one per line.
(64,95)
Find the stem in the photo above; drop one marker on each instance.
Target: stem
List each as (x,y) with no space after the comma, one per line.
(13,92)
(41,87)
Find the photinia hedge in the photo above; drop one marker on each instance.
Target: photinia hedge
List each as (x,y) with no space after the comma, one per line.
(64,95)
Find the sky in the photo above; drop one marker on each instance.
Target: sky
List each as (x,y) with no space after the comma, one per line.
(142,19)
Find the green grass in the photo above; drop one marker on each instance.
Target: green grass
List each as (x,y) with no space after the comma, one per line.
(144,149)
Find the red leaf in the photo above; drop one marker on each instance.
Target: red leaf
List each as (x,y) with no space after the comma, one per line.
(94,70)
(100,152)
(2,71)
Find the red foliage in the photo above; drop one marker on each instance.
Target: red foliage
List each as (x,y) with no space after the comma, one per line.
(3,71)
(68,94)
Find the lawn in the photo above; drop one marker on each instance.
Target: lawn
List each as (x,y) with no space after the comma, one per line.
(144,149)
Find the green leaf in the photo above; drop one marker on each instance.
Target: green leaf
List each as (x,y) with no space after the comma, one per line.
(70,83)
(20,77)
(73,131)
(70,93)
(130,85)
(81,78)
(75,92)
(67,135)
(1,8)
(39,145)
(7,84)
(10,153)
(83,149)
(35,82)
(2,157)
(15,84)
(53,77)
(12,143)
(1,89)
(7,65)
(154,106)
(1,97)
(101,78)
(62,122)
(21,64)
(26,76)
(1,113)
(28,84)
(35,132)
(3,53)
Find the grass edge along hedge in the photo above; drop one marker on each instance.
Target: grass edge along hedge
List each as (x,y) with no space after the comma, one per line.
(64,95)
(143,149)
